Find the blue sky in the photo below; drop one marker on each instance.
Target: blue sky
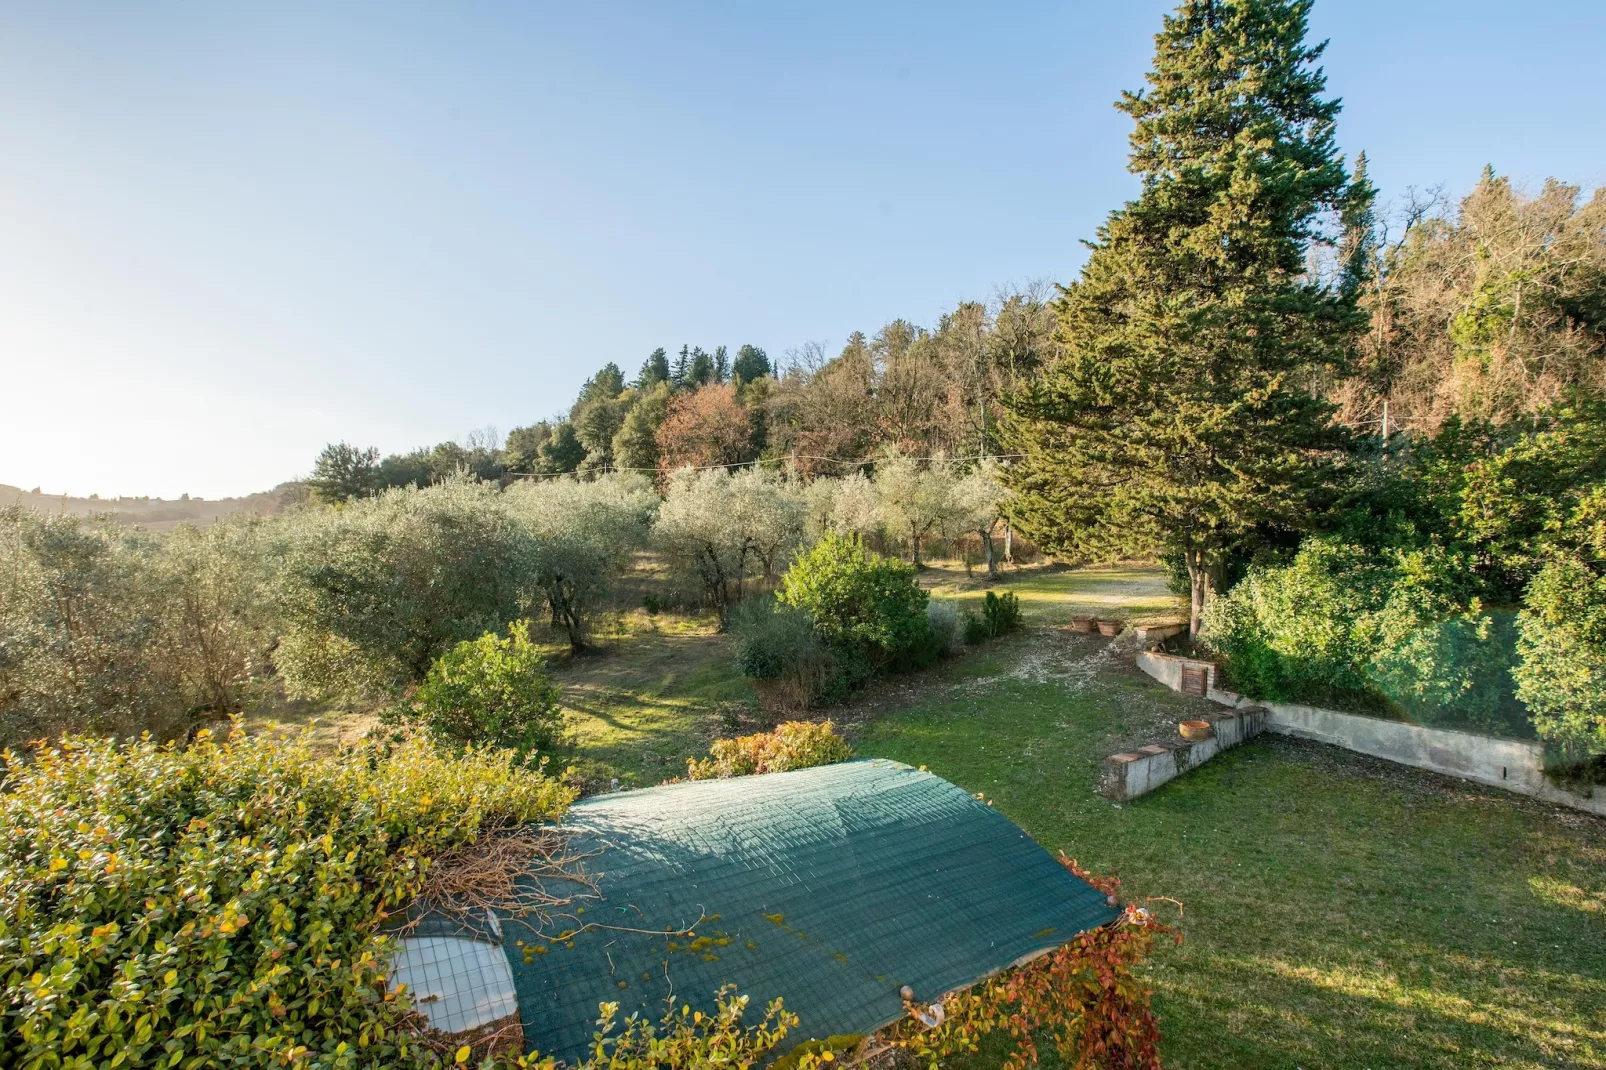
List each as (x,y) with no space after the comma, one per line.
(231,233)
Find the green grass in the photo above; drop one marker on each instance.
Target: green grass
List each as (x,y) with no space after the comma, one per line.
(1052,595)
(658,691)
(1339,912)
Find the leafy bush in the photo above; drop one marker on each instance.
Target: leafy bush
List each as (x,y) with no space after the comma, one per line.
(1000,614)
(862,604)
(1302,632)
(221,904)
(492,690)
(777,643)
(691,1040)
(1456,673)
(793,745)
(975,628)
(1386,630)
(942,619)
(1562,642)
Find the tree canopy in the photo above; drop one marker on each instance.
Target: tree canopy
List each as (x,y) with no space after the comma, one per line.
(1177,413)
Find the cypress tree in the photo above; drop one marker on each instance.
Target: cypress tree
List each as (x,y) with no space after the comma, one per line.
(654,370)
(1177,415)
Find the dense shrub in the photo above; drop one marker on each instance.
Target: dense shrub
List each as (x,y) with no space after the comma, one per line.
(867,607)
(1455,673)
(942,618)
(691,1040)
(778,645)
(1379,630)
(793,745)
(1562,672)
(491,690)
(222,904)
(1000,614)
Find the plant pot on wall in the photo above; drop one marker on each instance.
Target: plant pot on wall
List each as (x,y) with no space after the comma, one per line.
(1109,627)
(1194,731)
(1083,624)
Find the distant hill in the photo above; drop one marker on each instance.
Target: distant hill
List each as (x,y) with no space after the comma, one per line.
(158,514)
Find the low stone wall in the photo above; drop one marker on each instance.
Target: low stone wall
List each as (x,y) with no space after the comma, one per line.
(1134,773)
(1170,670)
(1512,764)
(1503,763)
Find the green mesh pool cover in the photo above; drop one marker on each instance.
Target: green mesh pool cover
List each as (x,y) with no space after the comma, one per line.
(829,887)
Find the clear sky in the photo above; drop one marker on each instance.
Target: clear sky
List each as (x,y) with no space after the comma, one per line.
(230,233)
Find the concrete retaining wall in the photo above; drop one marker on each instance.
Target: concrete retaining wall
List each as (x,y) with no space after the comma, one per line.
(1167,668)
(1512,764)
(1503,763)
(1134,773)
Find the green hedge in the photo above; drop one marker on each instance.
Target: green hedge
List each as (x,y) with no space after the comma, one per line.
(221,904)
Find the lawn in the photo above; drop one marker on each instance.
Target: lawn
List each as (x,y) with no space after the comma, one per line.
(1339,912)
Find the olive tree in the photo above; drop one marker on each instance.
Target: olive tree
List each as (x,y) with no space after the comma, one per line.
(583,535)
(212,590)
(856,508)
(373,592)
(719,528)
(978,499)
(819,498)
(916,498)
(75,628)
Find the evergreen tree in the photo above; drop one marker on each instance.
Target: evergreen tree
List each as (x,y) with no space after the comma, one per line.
(343,471)
(561,452)
(1176,416)
(722,364)
(654,370)
(682,374)
(751,363)
(635,447)
(606,385)
(523,446)
(702,368)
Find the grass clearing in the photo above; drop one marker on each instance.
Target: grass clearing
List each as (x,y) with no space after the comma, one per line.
(1340,911)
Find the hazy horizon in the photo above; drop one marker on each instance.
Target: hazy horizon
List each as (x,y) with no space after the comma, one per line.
(228,237)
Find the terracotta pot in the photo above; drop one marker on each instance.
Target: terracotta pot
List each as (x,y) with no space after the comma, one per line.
(1082,624)
(1109,627)
(1194,731)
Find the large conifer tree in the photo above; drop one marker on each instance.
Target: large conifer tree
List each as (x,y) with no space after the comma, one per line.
(1177,415)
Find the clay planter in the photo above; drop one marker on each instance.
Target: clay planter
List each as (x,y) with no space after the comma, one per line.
(1082,624)
(1109,627)
(1194,731)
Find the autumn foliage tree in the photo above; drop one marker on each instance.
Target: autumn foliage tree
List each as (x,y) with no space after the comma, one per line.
(703,428)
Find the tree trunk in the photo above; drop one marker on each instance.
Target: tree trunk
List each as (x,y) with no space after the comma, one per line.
(914,539)
(1009,544)
(1199,583)
(987,548)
